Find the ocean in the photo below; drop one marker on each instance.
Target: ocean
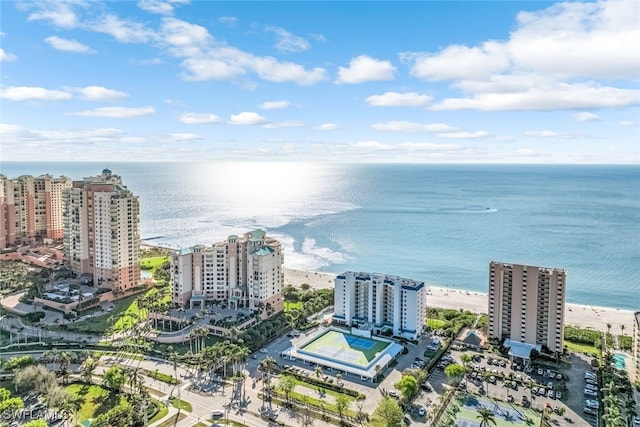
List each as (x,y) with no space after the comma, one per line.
(442,224)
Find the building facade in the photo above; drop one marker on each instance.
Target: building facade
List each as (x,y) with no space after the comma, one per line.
(526,304)
(636,345)
(242,272)
(102,231)
(31,209)
(382,302)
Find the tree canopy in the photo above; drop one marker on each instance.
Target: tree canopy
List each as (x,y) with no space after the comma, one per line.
(390,412)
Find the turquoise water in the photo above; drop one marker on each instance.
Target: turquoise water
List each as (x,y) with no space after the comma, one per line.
(442,224)
(619,360)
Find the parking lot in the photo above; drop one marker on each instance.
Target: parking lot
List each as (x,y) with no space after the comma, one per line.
(552,386)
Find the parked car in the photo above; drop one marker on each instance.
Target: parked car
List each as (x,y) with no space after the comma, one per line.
(421,411)
(590,411)
(591,403)
(558,395)
(589,392)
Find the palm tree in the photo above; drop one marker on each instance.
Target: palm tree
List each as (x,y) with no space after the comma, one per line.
(342,404)
(630,410)
(486,417)
(318,371)
(86,372)
(287,384)
(266,366)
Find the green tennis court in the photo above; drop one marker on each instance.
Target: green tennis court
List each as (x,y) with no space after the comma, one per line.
(351,349)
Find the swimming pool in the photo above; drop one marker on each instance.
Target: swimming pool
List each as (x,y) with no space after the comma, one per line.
(619,360)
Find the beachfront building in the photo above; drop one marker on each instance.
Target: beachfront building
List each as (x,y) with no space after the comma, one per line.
(388,305)
(240,272)
(102,232)
(636,345)
(31,209)
(526,305)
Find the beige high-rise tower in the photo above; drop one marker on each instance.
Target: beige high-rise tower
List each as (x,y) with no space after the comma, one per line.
(242,271)
(526,304)
(31,209)
(102,231)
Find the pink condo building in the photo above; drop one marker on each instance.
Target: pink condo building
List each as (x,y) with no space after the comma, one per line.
(241,272)
(31,209)
(102,231)
(526,304)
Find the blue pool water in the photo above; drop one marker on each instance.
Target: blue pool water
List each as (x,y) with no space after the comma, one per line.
(619,360)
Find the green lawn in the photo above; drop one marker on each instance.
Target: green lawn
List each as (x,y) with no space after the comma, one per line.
(434,324)
(163,411)
(581,348)
(289,305)
(314,387)
(177,403)
(96,400)
(152,263)
(173,420)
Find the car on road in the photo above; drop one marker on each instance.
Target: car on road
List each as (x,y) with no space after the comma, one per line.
(217,413)
(264,350)
(394,394)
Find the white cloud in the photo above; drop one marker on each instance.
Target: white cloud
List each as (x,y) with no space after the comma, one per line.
(122,30)
(231,21)
(206,59)
(525,152)
(551,61)
(285,124)
(547,134)
(97,93)
(152,61)
(199,118)
(459,62)
(404,126)
(272,105)
(58,13)
(625,123)
(428,146)
(182,137)
(326,126)
(585,116)
(115,112)
(365,68)
(288,42)
(395,99)
(372,145)
(68,45)
(5,56)
(561,96)
(31,93)
(246,118)
(160,7)
(463,135)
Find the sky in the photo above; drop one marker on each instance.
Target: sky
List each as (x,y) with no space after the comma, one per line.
(422,82)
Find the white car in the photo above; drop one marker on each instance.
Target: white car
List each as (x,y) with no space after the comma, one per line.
(421,411)
(217,413)
(264,350)
(636,421)
(394,394)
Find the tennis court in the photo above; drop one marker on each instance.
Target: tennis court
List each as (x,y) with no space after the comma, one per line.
(345,348)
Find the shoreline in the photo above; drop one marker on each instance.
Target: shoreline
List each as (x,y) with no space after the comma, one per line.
(586,316)
(582,315)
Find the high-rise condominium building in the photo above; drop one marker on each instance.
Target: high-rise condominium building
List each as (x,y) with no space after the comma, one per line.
(31,209)
(383,302)
(102,231)
(526,304)
(636,345)
(243,272)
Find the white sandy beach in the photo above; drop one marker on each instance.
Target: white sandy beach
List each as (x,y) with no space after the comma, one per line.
(575,314)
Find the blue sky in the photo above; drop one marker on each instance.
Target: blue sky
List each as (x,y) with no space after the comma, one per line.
(469,82)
